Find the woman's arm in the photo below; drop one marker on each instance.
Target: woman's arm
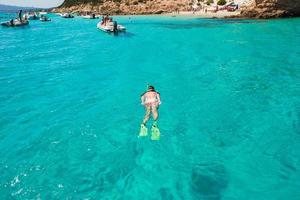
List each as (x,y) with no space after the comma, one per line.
(142,99)
(158,98)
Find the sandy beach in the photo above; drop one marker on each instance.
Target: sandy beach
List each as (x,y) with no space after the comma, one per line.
(203,14)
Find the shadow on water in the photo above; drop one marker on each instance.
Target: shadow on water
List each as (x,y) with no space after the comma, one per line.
(207,23)
(125,34)
(166,193)
(296,121)
(197,23)
(122,34)
(181,128)
(15,27)
(208,181)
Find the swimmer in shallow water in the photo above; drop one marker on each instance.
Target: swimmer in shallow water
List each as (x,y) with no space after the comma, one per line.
(151,101)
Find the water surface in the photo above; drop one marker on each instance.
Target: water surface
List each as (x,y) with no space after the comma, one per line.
(230,116)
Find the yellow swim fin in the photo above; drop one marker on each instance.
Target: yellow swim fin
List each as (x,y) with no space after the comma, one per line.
(155,133)
(143,131)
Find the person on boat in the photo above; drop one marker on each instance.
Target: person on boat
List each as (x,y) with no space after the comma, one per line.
(25,15)
(151,100)
(107,19)
(44,18)
(115,24)
(102,21)
(20,15)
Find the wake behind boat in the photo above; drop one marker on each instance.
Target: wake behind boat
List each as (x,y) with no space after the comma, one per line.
(109,26)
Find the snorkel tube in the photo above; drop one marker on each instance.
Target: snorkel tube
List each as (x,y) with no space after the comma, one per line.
(151,88)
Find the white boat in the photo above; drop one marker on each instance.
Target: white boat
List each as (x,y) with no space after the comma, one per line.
(67,15)
(14,23)
(31,16)
(92,16)
(111,27)
(43,13)
(45,19)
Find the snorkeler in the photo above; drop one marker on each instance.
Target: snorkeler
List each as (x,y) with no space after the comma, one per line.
(151,100)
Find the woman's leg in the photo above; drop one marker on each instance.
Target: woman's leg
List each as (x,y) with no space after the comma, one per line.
(147,115)
(155,112)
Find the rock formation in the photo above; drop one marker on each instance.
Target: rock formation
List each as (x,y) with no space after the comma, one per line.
(272,9)
(257,9)
(124,6)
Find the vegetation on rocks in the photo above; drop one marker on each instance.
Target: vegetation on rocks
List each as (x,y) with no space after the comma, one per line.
(273,9)
(221,2)
(260,8)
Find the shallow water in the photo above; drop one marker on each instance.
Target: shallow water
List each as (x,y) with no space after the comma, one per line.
(230,116)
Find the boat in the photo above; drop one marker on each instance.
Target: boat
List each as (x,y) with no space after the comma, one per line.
(92,16)
(45,19)
(31,16)
(67,15)
(111,27)
(15,23)
(43,13)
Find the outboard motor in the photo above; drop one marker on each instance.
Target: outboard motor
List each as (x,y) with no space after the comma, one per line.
(115,27)
(12,22)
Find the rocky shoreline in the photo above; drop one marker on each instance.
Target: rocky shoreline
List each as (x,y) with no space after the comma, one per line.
(259,8)
(122,7)
(273,9)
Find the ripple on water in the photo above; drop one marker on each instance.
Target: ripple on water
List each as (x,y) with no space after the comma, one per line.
(70,110)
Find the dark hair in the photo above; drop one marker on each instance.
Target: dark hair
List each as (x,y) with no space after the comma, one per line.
(150,87)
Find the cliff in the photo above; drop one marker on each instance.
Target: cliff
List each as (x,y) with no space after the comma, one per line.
(124,6)
(273,9)
(253,8)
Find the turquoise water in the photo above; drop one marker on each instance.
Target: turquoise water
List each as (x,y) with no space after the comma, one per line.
(230,115)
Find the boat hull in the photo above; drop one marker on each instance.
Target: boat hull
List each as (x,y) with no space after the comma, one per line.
(34,17)
(90,17)
(67,15)
(16,23)
(110,28)
(45,20)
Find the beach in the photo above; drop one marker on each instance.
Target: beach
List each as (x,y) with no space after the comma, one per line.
(70,109)
(208,14)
